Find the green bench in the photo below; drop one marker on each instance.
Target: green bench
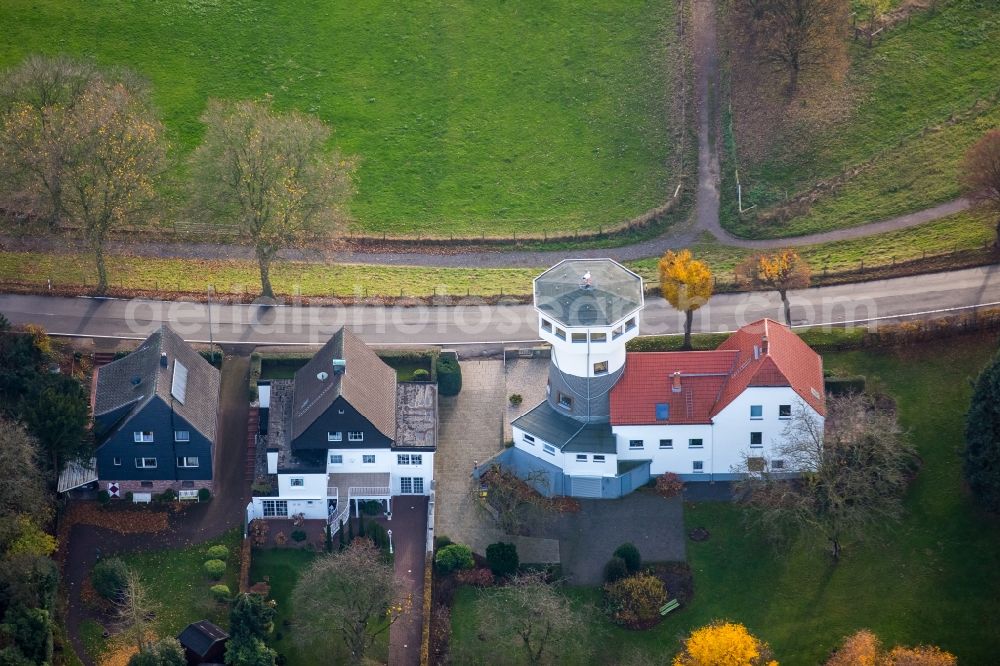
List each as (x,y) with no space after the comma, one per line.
(673,604)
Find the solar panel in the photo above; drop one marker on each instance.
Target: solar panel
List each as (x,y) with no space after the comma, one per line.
(178,387)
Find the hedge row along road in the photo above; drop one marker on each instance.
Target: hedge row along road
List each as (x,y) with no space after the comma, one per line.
(467,322)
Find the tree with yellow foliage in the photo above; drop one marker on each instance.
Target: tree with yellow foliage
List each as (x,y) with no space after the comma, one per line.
(780,271)
(686,284)
(865,649)
(724,644)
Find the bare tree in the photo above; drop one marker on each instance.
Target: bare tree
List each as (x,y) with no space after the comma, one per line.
(797,34)
(271,176)
(542,622)
(351,595)
(853,474)
(981,174)
(513,502)
(22,485)
(133,609)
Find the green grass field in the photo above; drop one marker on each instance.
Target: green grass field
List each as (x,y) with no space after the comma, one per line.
(925,76)
(958,232)
(466,116)
(932,579)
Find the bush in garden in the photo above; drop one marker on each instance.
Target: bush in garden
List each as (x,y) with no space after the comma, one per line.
(108,577)
(476,577)
(218,552)
(220,592)
(440,541)
(635,602)
(215,568)
(615,570)
(630,554)
(298,536)
(167,495)
(502,558)
(454,558)
(515,399)
(449,375)
(669,485)
(378,535)
(371,507)
(104,497)
(421,375)
(204,494)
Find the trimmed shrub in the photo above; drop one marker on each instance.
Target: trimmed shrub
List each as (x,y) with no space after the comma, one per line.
(476,577)
(449,375)
(630,554)
(371,507)
(502,558)
(454,558)
(615,570)
(108,577)
(378,535)
(218,552)
(104,497)
(669,485)
(844,385)
(220,592)
(635,602)
(204,494)
(421,375)
(298,536)
(440,541)
(215,568)
(167,495)
(515,399)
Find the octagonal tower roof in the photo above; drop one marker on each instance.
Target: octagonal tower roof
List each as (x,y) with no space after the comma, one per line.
(588,292)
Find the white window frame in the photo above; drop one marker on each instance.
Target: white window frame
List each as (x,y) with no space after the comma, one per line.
(636,444)
(601,368)
(274,508)
(416,459)
(185,461)
(368,459)
(669,444)
(549,449)
(142,436)
(418,485)
(355,436)
(546,325)
(598,338)
(182,435)
(336,459)
(785,418)
(699,445)
(334,436)
(528,439)
(697,466)
(757,418)
(564,397)
(116,461)
(297,482)
(599,459)
(140,463)
(406,485)
(402,459)
(581,457)
(759,445)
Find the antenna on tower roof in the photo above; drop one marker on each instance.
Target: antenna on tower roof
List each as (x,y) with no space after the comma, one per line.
(588,281)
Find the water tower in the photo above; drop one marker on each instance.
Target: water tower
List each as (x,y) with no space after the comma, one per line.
(587,310)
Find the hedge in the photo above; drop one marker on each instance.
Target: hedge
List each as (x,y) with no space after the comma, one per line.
(449,376)
(845,385)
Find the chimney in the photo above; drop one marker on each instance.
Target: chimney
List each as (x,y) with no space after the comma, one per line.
(339,366)
(163,359)
(763,345)
(676,388)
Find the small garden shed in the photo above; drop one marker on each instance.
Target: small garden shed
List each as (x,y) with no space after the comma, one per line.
(203,643)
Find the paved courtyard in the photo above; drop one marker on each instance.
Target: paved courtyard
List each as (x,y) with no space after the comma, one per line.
(471,430)
(527,377)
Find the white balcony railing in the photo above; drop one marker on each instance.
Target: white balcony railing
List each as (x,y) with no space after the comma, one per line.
(369,492)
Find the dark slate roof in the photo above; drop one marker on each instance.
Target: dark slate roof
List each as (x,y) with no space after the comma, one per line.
(135,379)
(199,637)
(611,293)
(368,384)
(566,433)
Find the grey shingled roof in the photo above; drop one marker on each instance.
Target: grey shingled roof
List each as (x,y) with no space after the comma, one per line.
(368,384)
(116,387)
(199,637)
(565,433)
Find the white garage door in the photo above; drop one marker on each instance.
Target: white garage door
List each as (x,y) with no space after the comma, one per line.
(585,486)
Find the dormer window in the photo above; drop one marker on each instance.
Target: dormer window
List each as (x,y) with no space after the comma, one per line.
(334,436)
(142,436)
(355,436)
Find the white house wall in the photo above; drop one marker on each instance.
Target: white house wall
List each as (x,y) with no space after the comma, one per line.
(567,461)
(425,470)
(353,463)
(680,459)
(313,486)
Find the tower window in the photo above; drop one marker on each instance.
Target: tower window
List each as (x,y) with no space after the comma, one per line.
(546,325)
(579,337)
(561,334)
(598,337)
(601,368)
(565,401)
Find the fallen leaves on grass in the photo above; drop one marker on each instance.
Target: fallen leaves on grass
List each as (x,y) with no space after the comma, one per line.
(128,521)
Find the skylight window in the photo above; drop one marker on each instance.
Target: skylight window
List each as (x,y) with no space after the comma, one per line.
(178,387)
(662,411)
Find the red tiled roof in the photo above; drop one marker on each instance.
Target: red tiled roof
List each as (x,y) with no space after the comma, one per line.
(710,380)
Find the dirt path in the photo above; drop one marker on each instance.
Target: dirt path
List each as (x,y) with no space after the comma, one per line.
(197,524)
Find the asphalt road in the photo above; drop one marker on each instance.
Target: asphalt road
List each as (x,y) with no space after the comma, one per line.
(466,322)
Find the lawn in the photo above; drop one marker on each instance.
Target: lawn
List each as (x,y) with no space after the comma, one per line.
(465,116)
(283,567)
(963,231)
(921,97)
(933,579)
